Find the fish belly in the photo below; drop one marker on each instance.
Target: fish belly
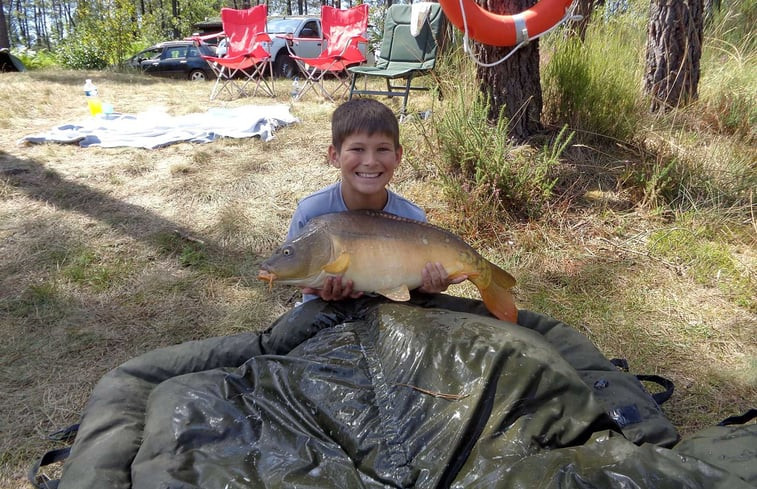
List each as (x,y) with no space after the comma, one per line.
(385,263)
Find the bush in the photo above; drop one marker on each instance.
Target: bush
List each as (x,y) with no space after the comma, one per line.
(103,36)
(79,54)
(593,86)
(481,166)
(35,60)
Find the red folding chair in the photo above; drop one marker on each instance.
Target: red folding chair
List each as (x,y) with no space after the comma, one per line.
(247,56)
(343,31)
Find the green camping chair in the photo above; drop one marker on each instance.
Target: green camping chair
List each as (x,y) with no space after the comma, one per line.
(403,56)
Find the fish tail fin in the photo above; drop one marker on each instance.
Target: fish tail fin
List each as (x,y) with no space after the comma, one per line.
(497,296)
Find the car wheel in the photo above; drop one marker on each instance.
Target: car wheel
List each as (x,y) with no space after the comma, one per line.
(285,67)
(197,75)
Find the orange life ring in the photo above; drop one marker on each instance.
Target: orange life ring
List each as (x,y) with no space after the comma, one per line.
(504,30)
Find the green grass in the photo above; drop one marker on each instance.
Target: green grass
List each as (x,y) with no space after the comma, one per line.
(88,269)
(704,255)
(43,301)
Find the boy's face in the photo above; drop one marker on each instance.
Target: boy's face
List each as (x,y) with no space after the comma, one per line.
(367,163)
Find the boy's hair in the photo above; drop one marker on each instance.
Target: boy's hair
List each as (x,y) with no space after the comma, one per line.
(363,115)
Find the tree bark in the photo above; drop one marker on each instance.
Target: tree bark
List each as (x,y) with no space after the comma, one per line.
(514,84)
(674,48)
(584,8)
(5,41)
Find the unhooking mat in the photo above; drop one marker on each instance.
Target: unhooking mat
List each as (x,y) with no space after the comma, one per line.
(373,394)
(155,129)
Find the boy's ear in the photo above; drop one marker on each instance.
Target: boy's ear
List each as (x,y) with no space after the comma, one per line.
(333,155)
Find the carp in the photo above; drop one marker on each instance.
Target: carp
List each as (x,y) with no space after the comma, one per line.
(385,254)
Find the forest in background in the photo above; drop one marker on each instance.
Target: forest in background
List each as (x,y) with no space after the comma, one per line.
(106,31)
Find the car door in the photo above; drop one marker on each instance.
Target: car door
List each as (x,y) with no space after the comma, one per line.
(140,59)
(310,42)
(172,62)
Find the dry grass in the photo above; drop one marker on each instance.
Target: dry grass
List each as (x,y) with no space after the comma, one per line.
(100,259)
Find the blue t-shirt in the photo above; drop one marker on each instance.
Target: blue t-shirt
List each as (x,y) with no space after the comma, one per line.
(329,199)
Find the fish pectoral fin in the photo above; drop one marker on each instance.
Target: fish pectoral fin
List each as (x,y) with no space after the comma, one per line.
(455,276)
(399,293)
(338,266)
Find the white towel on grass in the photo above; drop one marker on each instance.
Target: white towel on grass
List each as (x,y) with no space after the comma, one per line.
(155,129)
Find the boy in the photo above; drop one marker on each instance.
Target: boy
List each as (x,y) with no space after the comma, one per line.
(365,146)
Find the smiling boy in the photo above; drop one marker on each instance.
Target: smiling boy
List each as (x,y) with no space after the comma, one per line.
(365,147)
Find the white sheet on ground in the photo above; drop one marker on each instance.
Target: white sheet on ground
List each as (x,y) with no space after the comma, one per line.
(155,128)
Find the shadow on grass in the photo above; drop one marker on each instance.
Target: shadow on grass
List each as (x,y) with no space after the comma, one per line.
(69,312)
(75,79)
(49,187)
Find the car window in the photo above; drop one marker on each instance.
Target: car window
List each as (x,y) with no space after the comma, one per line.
(281,26)
(206,50)
(175,52)
(192,52)
(150,53)
(310,30)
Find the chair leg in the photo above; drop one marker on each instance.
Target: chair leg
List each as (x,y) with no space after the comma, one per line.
(273,80)
(310,79)
(352,85)
(407,94)
(342,89)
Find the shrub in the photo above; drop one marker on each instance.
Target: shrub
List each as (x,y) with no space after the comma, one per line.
(78,54)
(479,163)
(35,60)
(103,36)
(593,85)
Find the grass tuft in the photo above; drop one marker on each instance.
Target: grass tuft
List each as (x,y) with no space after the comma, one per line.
(595,97)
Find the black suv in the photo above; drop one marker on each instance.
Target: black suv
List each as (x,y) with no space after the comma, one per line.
(175,59)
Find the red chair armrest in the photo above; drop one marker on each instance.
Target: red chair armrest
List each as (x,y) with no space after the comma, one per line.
(205,37)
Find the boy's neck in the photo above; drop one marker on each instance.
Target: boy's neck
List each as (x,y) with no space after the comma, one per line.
(374,202)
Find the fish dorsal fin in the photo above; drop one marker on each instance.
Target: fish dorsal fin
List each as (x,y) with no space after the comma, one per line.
(339,265)
(399,293)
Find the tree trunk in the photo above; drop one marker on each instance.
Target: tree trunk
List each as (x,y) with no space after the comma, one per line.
(5,41)
(674,47)
(584,8)
(175,14)
(514,84)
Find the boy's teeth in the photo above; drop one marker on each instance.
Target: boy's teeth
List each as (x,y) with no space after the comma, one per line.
(368,175)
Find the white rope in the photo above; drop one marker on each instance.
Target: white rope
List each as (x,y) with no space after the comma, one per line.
(569,15)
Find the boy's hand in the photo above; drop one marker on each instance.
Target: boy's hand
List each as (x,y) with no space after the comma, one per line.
(436,279)
(334,290)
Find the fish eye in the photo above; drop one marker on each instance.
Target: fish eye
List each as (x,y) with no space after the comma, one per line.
(287,251)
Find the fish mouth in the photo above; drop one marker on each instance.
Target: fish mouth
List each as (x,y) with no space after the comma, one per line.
(267,276)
